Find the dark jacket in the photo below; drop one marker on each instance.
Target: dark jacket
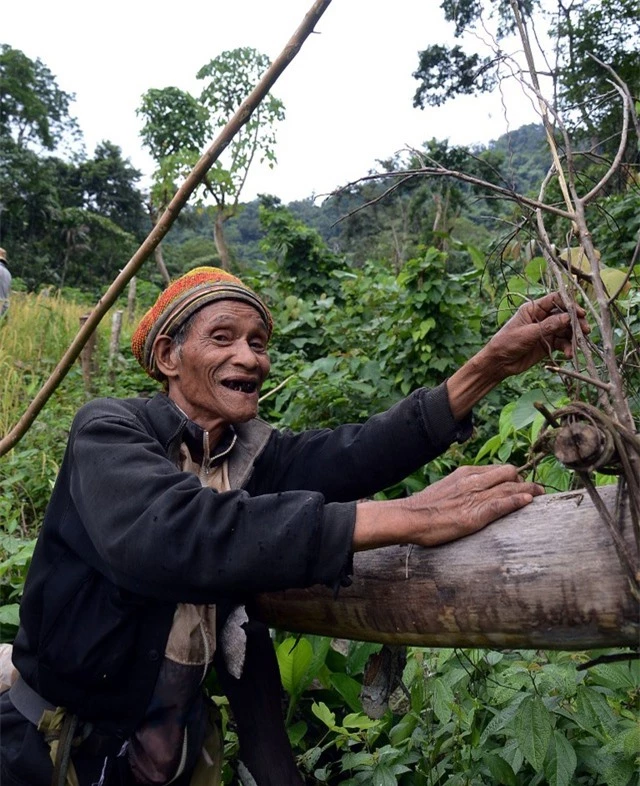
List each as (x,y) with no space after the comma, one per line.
(127,535)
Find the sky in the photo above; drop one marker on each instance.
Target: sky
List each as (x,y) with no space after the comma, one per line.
(348,93)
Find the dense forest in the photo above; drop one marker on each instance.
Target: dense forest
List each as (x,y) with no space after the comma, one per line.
(385,286)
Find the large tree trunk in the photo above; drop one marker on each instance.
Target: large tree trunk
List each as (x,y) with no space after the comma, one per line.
(159,257)
(220,240)
(546,577)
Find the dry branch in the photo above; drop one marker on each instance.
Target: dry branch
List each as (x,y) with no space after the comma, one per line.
(181,197)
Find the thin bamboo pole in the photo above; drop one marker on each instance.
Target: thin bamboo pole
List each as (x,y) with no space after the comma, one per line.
(156,235)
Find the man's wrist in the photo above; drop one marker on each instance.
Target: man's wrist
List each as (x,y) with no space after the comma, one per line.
(381,523)
(471,383)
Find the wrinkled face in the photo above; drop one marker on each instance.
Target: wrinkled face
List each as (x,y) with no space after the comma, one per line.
(218,371)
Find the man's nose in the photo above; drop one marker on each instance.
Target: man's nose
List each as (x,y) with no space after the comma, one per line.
(244,354)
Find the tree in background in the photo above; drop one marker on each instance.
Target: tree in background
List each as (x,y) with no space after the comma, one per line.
(176,128)
(108,183)
(177,125)
(67,220)
(578,31)
(35,111)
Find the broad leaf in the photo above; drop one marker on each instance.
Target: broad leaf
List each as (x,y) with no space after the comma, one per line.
(533,728)
(294,658)
(349,689)
(443,700)
(501,772)
(561,762)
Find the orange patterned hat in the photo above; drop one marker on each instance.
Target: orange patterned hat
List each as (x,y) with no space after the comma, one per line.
(182,298)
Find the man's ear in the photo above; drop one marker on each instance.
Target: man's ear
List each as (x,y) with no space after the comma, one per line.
(166,355)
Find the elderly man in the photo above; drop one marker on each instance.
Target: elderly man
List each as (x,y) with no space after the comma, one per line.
(168,514)
(5,283)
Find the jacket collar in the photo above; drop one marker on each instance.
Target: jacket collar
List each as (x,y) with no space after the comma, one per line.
(242,444)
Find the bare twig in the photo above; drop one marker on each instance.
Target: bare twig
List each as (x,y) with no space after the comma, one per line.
(372,202)
(625,87)
(277,388)
(466,178)
(615,164)
(524,37)
(580,377)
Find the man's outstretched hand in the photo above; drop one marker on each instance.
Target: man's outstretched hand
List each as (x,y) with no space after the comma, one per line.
(537,330)
(461,503)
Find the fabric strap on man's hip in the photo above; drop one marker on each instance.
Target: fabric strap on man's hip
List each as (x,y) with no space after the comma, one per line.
(28,702)
(57,726)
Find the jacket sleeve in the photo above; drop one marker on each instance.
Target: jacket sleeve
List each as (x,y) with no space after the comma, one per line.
(155,531)
(356,461)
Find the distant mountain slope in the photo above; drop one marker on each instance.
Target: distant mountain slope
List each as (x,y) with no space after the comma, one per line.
(526,160)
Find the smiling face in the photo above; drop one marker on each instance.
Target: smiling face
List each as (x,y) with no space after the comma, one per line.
(216,374)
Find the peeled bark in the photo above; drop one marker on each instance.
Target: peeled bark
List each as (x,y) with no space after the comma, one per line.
(547,576)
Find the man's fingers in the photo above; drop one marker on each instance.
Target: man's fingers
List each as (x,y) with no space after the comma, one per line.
(503,506)
(509,497)
(474,479)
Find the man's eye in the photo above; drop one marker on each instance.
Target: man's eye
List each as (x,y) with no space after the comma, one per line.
(258,346)
(220,337)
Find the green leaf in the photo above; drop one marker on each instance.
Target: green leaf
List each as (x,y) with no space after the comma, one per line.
(618,772)
(403,730)
(617,676)
(631,742)
(533,728)
(505,422)
(349,689)
(296,733)
(477,257)
(535,269)
(503,718)
(360,759)
(294,658)
(357,720)
(512,754)
(323,713)
(443,700)
(561,761)
(524,412)
(500,770)
(383,776)
(10,614)
(592,709)
(489,447)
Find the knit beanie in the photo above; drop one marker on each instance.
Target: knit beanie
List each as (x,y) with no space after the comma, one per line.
(182,298)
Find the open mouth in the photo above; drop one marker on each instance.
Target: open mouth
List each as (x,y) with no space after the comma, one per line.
(240,386)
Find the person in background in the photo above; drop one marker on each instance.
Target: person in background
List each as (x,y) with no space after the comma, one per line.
(170,513)
(5,283)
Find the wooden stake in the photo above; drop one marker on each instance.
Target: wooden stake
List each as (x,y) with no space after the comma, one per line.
(87,359)
(114,343)
(131,301)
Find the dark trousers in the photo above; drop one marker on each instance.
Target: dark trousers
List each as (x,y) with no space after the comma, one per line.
(255,701)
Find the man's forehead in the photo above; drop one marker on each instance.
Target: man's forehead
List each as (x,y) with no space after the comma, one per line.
(229,310)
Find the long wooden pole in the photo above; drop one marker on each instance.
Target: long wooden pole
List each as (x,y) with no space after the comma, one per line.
(156,235)
(547,576)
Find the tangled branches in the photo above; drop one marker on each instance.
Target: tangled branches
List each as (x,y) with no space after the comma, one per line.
(585,439)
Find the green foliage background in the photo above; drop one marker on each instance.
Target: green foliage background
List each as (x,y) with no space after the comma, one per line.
(369,304)
(351,341)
